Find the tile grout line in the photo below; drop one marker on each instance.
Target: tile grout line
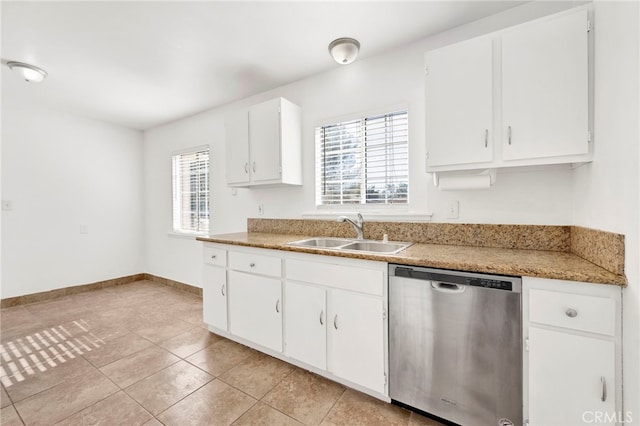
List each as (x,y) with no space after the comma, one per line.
(334,404)
(261,400)
(203,385)
(108,396)
(155,416)
(120,297)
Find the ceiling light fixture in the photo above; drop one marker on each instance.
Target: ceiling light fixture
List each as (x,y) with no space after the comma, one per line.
(30,73)
(344,50)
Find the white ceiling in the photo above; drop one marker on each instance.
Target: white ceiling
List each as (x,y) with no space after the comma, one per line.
(140,63)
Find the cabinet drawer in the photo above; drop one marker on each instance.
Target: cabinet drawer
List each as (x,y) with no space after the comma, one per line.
(346,277)
(255,263)
(215,256)
(575,311)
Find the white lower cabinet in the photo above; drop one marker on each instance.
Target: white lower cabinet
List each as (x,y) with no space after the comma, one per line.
(335,318)
(356,349)
(338,331)
(214,297)
(255,308)
(214,286)
(305,324)
(572,378)
(572,358)
(323,313)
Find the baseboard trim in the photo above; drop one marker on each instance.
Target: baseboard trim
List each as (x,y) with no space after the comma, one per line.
(187,288)
(67,291)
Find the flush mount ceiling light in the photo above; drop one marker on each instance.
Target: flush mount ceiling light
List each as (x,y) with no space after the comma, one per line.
(344,50)
(30,73)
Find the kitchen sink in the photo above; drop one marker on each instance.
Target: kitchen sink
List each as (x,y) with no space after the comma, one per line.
(322,242)
(376,247)
(343,244)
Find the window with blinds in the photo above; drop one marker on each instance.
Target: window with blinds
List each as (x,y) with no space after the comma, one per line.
(190,172)
(364,161)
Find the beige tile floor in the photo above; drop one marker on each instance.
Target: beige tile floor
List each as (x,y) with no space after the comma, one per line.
(139,354)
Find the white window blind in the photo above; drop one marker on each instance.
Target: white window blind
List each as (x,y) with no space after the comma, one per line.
(364,161)
(191,191)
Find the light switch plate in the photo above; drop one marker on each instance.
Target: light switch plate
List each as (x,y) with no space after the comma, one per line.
(453,209)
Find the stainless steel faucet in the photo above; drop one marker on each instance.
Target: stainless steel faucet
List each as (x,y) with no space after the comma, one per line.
(357,225)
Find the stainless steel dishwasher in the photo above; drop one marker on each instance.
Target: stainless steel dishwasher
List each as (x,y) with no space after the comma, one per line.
(455,345)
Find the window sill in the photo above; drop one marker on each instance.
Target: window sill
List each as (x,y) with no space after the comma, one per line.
(374,215)
(187,235)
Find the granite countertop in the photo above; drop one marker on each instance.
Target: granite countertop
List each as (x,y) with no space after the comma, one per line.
(531,263)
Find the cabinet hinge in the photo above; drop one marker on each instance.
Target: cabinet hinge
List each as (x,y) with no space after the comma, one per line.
(426,70)
(385,379)
(384,313)
(526,344)
(588,25)
(589,136)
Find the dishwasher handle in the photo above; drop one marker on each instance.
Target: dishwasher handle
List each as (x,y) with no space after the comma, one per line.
(447,287)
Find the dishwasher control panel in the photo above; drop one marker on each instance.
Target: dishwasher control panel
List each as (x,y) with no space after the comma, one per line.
(489,283)
(455,277)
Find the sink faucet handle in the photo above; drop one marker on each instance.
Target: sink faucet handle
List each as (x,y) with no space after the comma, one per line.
(360,219)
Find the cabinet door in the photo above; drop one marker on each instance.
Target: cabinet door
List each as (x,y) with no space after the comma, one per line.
(356,339)
(214,297)
(305,324)
(545,88)
(237,148)
(264,137)
(255,309)
(568,375)
(459,107)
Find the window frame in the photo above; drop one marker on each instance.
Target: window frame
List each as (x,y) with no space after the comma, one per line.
(178,230)
(364,207)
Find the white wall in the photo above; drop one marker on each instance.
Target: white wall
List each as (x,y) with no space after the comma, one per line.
(372,85)
(606,191)
(62,171)
(603,195)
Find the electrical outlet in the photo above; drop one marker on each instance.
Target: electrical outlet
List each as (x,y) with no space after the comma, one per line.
(7,205)
(84,229)
(260,209)
(453,209)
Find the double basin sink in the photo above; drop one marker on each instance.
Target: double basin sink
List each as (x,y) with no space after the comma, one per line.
(361,246)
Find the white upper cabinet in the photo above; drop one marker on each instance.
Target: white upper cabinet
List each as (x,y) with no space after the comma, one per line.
(545,88)
(264,145)
(237,148)
(459,103)
(517,97)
